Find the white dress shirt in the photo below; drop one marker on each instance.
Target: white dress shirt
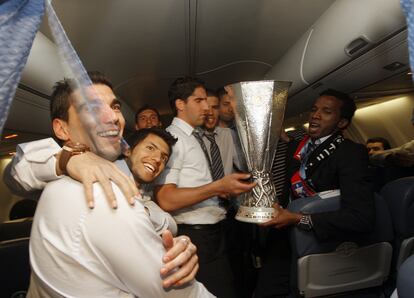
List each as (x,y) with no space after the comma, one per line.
(188,167)
(78,252)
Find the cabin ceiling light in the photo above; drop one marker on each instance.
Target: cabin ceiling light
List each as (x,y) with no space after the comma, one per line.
(11,136)
(289,129)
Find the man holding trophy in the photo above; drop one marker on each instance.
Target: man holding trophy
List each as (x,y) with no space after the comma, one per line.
(324,162)
(191,187)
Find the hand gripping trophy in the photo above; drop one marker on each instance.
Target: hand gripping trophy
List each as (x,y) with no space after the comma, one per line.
(259,111)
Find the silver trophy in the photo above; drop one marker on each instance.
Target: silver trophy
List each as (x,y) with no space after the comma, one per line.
(259,111)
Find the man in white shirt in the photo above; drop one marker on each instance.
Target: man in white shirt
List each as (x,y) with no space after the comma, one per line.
(187,190)
(79,252)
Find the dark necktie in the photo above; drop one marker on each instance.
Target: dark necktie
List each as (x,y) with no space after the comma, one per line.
(310,146)
(215,163)
(199,137)
(217,170)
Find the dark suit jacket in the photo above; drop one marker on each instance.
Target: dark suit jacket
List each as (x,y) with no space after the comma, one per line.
(346,169)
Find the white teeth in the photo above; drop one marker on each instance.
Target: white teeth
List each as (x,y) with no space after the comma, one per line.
(109,133)
(149,167)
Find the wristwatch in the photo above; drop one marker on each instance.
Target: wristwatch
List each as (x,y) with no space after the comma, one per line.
(70,149)
(305,223)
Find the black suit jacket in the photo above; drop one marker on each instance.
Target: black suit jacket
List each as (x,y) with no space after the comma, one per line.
(346,169)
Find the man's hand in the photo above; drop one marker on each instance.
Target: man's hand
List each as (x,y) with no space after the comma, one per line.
(234,184)
(181,260)
(88,168)
(283,218)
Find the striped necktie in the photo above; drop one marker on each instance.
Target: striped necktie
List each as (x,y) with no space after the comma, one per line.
(199,137)
(310,146)
(217,170)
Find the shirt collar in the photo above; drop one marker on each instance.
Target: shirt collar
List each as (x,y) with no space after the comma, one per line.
(320,140)
(215,132)
(184,126)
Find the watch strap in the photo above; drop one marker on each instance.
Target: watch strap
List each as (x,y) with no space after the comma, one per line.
(305,222)
(70,149)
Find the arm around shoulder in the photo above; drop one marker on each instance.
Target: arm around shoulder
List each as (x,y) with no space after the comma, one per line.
(32,167)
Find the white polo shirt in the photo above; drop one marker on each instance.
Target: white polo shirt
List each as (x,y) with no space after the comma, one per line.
(188,167)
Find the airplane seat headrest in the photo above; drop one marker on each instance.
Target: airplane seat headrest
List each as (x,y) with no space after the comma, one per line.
(405,285)
(15,267)
(399,195)
(14,229)
(305,243)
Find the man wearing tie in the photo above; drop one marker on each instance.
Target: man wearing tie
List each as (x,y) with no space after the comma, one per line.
(192,186)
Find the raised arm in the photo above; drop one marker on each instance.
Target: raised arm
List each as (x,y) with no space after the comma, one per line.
(36,163)
(170,197)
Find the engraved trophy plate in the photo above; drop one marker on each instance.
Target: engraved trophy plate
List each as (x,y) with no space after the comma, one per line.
(259,111)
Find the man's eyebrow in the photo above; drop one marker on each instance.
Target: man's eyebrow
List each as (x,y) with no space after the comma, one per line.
(116,101)
(87,104)
(156,147)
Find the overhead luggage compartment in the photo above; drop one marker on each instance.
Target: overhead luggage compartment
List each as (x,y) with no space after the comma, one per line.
(346,31)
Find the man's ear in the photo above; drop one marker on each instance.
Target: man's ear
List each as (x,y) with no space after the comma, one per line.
(61,130)
(179,104)
(127,152)
(343,123)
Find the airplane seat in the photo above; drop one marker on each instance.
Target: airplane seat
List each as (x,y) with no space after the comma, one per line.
(399,196)
(405,285)
(325,268)
(15,267)
(13,229)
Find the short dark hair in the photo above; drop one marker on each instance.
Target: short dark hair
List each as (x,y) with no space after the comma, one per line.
(348,107)
(139,135)
(221,92)
(211,93)
(60,102)
(384,142)
(182,88)
(147,107)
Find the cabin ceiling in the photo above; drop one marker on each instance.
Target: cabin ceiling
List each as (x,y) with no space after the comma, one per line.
(143,45)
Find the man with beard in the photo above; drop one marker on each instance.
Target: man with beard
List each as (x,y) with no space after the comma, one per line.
(101,253)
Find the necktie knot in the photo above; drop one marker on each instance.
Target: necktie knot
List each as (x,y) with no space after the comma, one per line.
(210,136)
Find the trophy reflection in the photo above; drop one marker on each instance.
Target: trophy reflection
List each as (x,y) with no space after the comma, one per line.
(259,111)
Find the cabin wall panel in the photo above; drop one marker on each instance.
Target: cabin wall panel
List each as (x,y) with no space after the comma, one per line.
(390,119)
(7,199)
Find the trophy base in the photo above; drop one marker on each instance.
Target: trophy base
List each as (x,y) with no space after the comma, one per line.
(255,214)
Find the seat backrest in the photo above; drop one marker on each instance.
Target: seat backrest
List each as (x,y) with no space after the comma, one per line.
(325,268)
(399,196)
(405,284)
(15,266)
(13,229)
(305,243)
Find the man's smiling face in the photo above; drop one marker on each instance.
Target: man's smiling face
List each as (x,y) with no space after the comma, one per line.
(102,122)
(148,158)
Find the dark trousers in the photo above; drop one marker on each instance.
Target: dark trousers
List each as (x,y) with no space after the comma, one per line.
(244,254)
(215,271)
(273,279)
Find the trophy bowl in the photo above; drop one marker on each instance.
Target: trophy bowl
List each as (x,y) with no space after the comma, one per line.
(259,111)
